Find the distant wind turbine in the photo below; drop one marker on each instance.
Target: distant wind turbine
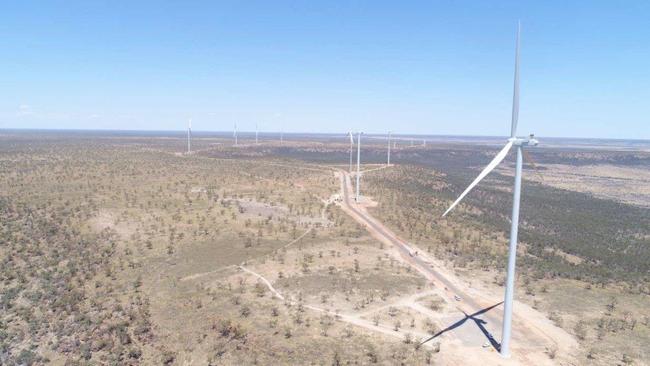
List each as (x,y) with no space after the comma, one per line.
(256,132)
(519,143)
(234,133)
(351,149)
(189,135)
(358,163)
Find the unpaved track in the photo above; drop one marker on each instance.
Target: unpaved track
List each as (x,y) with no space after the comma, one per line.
(354,319)
(266,282)
(386,235)
(532,331)
(298,238)
(202,274)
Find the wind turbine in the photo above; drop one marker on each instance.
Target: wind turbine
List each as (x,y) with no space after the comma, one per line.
(234,133)
(351,149)
(189,135)
(388,158)
(520,144)
(256,132)
(281,136)
(358,163)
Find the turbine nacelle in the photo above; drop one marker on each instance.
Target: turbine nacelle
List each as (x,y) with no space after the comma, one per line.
(530,141)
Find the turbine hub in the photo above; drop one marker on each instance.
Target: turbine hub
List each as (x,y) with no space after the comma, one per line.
(529,141)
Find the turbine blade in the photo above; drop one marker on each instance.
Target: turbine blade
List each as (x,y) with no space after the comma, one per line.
(493,164)
(515,93)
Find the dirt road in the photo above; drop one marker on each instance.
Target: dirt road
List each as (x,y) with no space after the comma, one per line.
(532,333)
(354,319)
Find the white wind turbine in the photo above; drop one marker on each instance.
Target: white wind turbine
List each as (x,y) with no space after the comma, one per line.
(519,143)
(189,135)
(234,133)
(358,163)
(256,133)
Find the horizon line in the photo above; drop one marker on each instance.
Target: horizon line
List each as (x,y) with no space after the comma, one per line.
(306,133)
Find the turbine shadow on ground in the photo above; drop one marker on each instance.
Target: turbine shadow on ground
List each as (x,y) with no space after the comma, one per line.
(479,322)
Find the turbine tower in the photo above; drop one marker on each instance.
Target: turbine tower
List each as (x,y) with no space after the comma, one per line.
(520,144)
(388,158)
(189,135)
(351,149)
(256,133)
(234,133)
(358,163)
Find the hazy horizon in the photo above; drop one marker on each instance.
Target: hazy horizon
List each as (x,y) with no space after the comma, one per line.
(247,134)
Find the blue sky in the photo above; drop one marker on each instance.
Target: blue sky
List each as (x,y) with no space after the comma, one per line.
(430,67)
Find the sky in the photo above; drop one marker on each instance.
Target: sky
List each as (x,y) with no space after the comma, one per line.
(424,67)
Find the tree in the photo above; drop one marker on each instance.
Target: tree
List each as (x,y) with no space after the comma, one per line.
(551,351)
(580,330)
(431,327)
(336,359)
(397,325)
(611,305)
(427,357)
(245,311)
(556,318)
(436,347)
(627,359)
(392,311)
(260,289)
